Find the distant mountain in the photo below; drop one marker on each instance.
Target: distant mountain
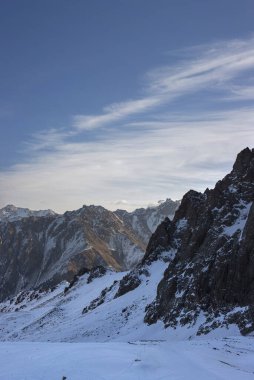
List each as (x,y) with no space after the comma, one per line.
(145,220)
(42,250)
(12,213)
(197,276)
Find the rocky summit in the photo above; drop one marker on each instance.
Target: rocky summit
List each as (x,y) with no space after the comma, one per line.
(211,278)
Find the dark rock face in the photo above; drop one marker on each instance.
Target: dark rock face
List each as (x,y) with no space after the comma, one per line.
(213,269)
(129,282)
(160,240)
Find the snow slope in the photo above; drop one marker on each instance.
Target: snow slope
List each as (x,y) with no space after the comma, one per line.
(59,317)
(93,311)
(48,336)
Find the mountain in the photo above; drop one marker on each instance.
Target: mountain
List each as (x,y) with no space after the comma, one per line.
(196,277)
(11,213)
(212,273)
(145,220)
(41,251)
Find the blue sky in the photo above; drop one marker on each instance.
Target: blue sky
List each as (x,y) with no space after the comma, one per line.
(122,103)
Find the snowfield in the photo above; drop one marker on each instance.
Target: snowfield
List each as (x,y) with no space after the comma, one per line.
(217,359)
(49,337)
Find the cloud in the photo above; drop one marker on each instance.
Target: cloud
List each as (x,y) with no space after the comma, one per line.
(47,139)
(165,162)
(240,93)
(115,112)
(215,65)
(150,153)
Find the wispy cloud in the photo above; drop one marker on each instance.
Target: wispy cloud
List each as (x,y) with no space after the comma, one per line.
(150,154)
(140,168)
(206,66)
(115,112)
(241,93)
(48,139)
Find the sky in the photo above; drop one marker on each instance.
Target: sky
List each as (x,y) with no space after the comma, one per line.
(122,103)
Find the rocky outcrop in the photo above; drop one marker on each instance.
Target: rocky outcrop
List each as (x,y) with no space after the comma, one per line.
(212,273)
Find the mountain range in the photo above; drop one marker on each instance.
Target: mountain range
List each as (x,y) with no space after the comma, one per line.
(196,277)
(42,248)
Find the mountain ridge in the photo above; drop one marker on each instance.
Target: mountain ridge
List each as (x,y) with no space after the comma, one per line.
(211,234)
(42,251)
(12,213)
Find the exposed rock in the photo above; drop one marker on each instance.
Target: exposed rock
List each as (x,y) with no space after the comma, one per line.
(76,277)
(129,282)
(213,270)
(96,272)
(101,299)
(160,241)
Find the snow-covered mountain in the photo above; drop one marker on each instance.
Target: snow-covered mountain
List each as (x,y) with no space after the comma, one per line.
(145,220)
(11,213)
(212,274)
(43,250)
(196,278)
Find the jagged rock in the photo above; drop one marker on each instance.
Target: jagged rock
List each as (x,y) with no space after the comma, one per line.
(96,272)
(160,240)
(99,300)
(75,279)
(213,270)
(129,282)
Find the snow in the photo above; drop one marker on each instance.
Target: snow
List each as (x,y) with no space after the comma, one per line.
(182,224)
(50,337)
(12,213)
(59,317)
(131,253)
(232,189)
(239,224)
(213,359)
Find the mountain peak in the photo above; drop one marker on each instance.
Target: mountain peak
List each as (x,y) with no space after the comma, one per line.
(10,207)
(13,213)
(244,162)
(211,236)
